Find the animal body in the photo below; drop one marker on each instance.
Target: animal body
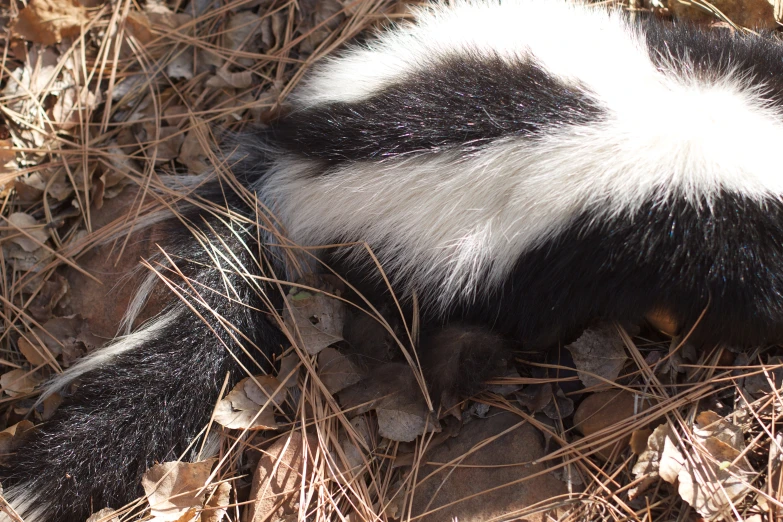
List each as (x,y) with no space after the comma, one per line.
(527,165)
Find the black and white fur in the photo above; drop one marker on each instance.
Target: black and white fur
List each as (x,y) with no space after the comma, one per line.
(531,165)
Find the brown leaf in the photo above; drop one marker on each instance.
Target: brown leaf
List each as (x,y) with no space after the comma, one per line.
(19,382)
(7,156)
(172,488)
(22,260)
(317,318)
(138,25)
(336,371)
(238,411)
(193,154)
(709,479)
(754,14)
(601,411)
(599,355)
(71,108)
(217,504)
(104,515)
(49,21)
(167,141)
(404,426)
(34,236)
(274,496)
(262,389)
(391,389)
(50,405)
(12,437)
(36,355)
(243,32)
(235,80)
(288,369)
(50,295)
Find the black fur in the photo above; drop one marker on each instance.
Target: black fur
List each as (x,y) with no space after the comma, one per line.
(713,54)
(149,404)
(458,104)
(727,260)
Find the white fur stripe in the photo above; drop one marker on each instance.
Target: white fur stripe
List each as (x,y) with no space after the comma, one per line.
(104,356)
(27,504)
(592,46)
(448,222)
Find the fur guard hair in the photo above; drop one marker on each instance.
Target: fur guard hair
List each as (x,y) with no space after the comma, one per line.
(529,165)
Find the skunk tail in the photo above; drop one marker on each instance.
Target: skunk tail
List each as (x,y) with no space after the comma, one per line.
(147,396)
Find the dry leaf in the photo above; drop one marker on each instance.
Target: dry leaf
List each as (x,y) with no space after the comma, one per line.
(50,405)
(599,355)
(193,154)
(7,156)
(217,504)
(50,295)
(19,382)
(49,21)
(753,14)
(36,355)
(68,336)
(176,114)
(274,496)
(235,80)
(238,411)
(288,369)
(602,411)
(104,515)
(710,480)
(262,389)
(25,261)
(12,437)
(71,110)
(35,235)
(182,66)
(316,318)
(648,464)
(392,388)
(172,488)
(405,426)
(138,25)
(167,141)
(336,371)
(243,32)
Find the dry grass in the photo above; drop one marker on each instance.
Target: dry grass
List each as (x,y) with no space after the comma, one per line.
(87,128)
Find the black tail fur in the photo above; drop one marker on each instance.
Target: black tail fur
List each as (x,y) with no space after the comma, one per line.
(149,403)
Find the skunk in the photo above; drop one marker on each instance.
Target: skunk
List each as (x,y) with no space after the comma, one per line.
(528,165)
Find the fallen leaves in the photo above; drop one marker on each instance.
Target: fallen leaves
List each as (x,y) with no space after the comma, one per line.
(13,436)
(175,490)
(49,21)
(599,355)
(250,405)
(316,319)
(19,382)
(710,473)
(278,478)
